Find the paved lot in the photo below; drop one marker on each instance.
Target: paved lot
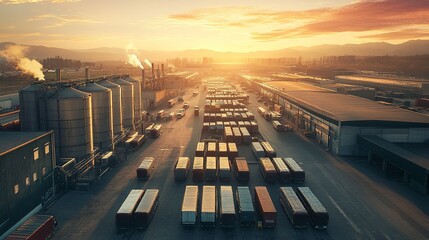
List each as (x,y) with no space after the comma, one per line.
(361,203)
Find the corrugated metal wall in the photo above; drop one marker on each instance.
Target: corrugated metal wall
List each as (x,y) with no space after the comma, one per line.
(16,167)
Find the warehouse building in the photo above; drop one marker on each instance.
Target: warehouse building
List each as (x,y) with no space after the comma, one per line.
(27,161)
(341,124)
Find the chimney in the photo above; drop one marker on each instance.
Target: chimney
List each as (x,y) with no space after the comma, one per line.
(162,69)
(153,70)
(143,82)
(86,73)
(58,74)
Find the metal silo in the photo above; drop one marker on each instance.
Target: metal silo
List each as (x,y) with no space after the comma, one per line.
(69,115)
(102,114)
(137,98)
(127,94)
(117,105)
(31,100)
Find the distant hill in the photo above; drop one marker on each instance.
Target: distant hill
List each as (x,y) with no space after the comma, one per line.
(412,47)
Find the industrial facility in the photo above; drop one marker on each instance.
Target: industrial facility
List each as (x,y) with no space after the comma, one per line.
(27,161)
(337,121)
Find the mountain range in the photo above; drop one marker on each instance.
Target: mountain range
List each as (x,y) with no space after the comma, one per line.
(412,47)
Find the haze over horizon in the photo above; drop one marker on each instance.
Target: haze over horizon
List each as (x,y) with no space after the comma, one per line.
(236,26)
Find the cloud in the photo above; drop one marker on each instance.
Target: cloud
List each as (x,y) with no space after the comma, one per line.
(358,17)
(61,20)
(399,35)
(36,1)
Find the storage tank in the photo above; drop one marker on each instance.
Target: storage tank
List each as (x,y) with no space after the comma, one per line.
(127,96)
(102,114)
(31,99)
(137,98)
(116,104)
(69,115)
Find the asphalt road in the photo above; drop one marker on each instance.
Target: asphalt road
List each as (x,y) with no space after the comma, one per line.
(362,204)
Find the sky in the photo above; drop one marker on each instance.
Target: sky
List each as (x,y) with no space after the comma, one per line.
(221,25)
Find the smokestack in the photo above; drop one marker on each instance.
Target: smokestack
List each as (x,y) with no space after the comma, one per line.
(143,81)
(153,70)
(86,73)
(58,74)
(162,69)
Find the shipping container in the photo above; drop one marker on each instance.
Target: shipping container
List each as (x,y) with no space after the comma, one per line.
(200,150)
(319,217)
(190,206)
(198,169)
(297,174)
(211,149)
(267,169)
(146,209)
(211,169)
(244,116)
(228,136)
(233,124)
(223,149)
(208,207)
(247,139)
(206,126)
(219,126)
(125,214)
(265,206)
(248,126)
(246,211)
(145,169)
(232,151)
(206,117)
(255,127)
(250,116)
(278,126)
(282,170)
(238,139)
(181,169)
(224,169)
(258,150)
(242,172)
(35,228)
(269,150)
(293,207)
(226,207)
(212,127)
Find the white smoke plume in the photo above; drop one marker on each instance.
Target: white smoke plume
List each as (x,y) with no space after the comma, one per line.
(132,56)
(171,67)
(148,62)
(16,55)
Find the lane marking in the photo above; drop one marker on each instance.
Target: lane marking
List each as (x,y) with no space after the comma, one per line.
(355,227)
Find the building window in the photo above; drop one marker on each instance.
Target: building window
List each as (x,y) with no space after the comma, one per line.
(16,189)
(36,153)
(47,148)
(44,171)
(27,181)
(34,177)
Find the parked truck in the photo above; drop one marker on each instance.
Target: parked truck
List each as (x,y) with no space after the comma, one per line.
(265,206)
(198,169)
(190,206)
(145,169)
(224,169)
(125,214)
(267,169)
(246,211)
(293,207)
(211,169)
(146,209)
(226,207)
(35,228)
(208,207)
(181,169)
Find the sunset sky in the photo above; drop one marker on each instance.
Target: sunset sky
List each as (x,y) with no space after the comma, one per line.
(229,25)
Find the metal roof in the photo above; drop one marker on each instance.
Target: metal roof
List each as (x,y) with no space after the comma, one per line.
(344,108)
(12,140)
(397,152)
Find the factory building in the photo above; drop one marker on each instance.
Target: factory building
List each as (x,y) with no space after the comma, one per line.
(27,162)
(337,120)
